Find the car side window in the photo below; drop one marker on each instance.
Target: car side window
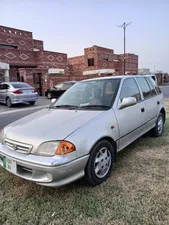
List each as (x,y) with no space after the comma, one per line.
(130,89)
(155,85)
(144,87)
(153,91)
(58,86)
(1,86)
(5,86)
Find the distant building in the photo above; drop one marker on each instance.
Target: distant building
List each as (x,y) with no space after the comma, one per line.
(143,71)
(100,61)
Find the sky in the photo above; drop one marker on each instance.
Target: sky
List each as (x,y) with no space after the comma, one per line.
(69,26)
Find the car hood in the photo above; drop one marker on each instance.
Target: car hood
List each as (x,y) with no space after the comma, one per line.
(47,125)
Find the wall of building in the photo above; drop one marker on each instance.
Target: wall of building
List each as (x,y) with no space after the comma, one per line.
(17,57)
(14,37)
(38,45)
(104,58)
(76,67)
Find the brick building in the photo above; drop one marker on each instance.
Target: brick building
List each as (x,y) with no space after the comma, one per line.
(99,61)
(23,58)
(28,61)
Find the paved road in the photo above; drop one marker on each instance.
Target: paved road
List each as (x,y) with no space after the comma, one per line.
(9,115)
(42,101)
(165,90)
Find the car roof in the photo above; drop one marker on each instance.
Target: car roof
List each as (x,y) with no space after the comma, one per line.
(13,82)
(116,77)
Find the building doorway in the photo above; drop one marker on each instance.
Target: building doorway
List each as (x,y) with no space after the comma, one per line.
(18,77)
(37,81)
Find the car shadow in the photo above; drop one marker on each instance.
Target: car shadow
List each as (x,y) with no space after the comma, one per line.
(25,105)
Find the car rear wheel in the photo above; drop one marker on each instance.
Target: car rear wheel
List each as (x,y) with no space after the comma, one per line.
(32,103)
(100,163)
(8,102)
(159,127)
(49,96)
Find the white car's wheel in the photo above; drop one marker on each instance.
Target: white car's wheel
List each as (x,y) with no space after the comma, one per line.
(100,163)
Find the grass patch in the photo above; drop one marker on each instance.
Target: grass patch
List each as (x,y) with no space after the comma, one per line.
(136,193)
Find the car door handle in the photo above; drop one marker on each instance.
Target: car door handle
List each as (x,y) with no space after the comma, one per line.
(158,102)
(142,109)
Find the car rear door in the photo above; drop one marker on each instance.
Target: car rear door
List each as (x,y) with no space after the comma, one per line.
(131,119)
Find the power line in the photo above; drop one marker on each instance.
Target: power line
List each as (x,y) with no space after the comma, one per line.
(124,26)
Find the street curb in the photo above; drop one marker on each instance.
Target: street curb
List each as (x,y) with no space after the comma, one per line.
(24,109)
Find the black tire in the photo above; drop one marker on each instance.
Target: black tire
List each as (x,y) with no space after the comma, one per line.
(49,95)
(8,102)
(32,103)
(91,177)
(157,131)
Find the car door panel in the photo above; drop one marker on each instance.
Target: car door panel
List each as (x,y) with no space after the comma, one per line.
(132,119)
(131,122)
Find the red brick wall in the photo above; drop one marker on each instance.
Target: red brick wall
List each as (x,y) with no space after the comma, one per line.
(38,44)
(13,73)
(17,57)
(47,59)
(131,63)
(88,54)
(76,67)
(11,36)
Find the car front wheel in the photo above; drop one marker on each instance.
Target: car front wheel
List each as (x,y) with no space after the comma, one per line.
(100,163)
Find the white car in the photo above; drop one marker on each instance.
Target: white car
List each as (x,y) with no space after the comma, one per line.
(80,134)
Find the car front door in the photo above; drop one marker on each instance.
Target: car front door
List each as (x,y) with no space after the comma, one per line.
(131,120)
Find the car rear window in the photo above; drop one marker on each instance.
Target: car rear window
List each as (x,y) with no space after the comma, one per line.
(20,85)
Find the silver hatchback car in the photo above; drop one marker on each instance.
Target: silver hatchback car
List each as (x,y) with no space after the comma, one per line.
(17,92)
(80,134)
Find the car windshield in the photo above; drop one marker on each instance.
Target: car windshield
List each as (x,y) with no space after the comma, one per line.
(20,85)
(89,94)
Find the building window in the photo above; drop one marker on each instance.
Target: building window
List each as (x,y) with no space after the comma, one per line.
(91,62)
(105,59)
(8,46)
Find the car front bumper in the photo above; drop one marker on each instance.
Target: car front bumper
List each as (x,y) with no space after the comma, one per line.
(42,170)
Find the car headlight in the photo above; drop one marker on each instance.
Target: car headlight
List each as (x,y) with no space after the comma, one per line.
(1,136)
(55,148)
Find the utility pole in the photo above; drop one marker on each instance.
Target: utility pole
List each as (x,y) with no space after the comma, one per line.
(124,26)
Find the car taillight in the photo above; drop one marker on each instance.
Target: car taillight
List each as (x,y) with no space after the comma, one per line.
(34,91)
(17,92)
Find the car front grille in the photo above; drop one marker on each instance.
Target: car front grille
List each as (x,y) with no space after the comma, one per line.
(18,147)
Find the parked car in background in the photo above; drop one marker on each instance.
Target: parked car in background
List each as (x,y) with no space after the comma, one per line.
(79,135)
(57,90)
(17,92)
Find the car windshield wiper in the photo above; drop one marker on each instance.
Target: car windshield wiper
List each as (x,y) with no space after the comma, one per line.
(64,106)
(95,106)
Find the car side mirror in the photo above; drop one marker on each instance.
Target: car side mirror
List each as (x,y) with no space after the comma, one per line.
(53,100)
(128,101)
